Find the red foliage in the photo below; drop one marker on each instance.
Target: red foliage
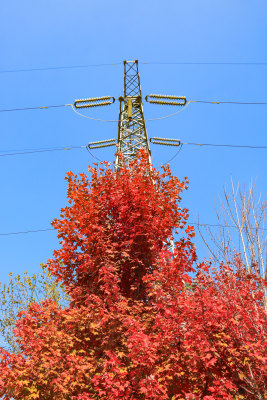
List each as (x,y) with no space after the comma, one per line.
(114,229)
(137,327)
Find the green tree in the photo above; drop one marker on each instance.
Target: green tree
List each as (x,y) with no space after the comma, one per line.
(19,293)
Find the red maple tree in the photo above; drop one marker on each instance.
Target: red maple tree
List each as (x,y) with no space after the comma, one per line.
(142,322)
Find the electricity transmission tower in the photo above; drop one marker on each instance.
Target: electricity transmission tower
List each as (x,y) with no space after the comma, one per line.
(132,133)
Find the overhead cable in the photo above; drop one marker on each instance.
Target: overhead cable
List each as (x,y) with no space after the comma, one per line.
(226,145)
(224,226)
(203,63)
(24,232)
(189,223)
(93,119)
(228,102)
(152,119)
(57,68)
(69,67)
(35,108)
(116,120)
(175,155)
(6,153)
(16,153)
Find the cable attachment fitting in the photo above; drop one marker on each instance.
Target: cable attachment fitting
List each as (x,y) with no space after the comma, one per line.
(94,102)
(165,141)
(102,143)
(162,99)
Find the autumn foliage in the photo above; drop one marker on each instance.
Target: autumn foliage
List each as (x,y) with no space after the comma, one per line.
(144,322)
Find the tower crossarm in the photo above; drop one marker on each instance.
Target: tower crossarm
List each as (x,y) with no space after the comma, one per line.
(132,134)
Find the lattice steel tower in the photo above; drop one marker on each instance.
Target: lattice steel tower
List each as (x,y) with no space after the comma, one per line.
(132,134)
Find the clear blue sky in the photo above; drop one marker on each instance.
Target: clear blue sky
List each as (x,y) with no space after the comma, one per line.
(38,34)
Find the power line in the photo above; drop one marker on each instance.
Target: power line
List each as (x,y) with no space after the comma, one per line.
(103,120)
(227,102)
(24,232)
(16,153)
(92,155)
(189,223)
(223,226)
(116,120)
(226,145)
(57,68)
(35,108)
(93,119)
(6,153)
(214,145)
(175,155)
(205,63)
(66,67)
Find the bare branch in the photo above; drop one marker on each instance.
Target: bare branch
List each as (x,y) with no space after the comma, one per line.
(241,230)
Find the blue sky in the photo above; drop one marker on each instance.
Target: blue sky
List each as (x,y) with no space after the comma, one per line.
(39,34)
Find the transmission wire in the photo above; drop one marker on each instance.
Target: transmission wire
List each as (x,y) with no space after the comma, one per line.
(40,150)
(203,63)
(30,231)
(175,155)
(151,119)
(116,120)
(57,68)
(227,102)
(225,145)
(35,108)
(94,119)
(121,63)
(6,153)
(189,223)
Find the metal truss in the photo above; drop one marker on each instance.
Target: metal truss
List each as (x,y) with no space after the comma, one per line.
(132,134)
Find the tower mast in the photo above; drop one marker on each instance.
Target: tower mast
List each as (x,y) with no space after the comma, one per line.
(132,134)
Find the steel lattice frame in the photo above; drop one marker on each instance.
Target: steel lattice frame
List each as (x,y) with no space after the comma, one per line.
(132,134)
